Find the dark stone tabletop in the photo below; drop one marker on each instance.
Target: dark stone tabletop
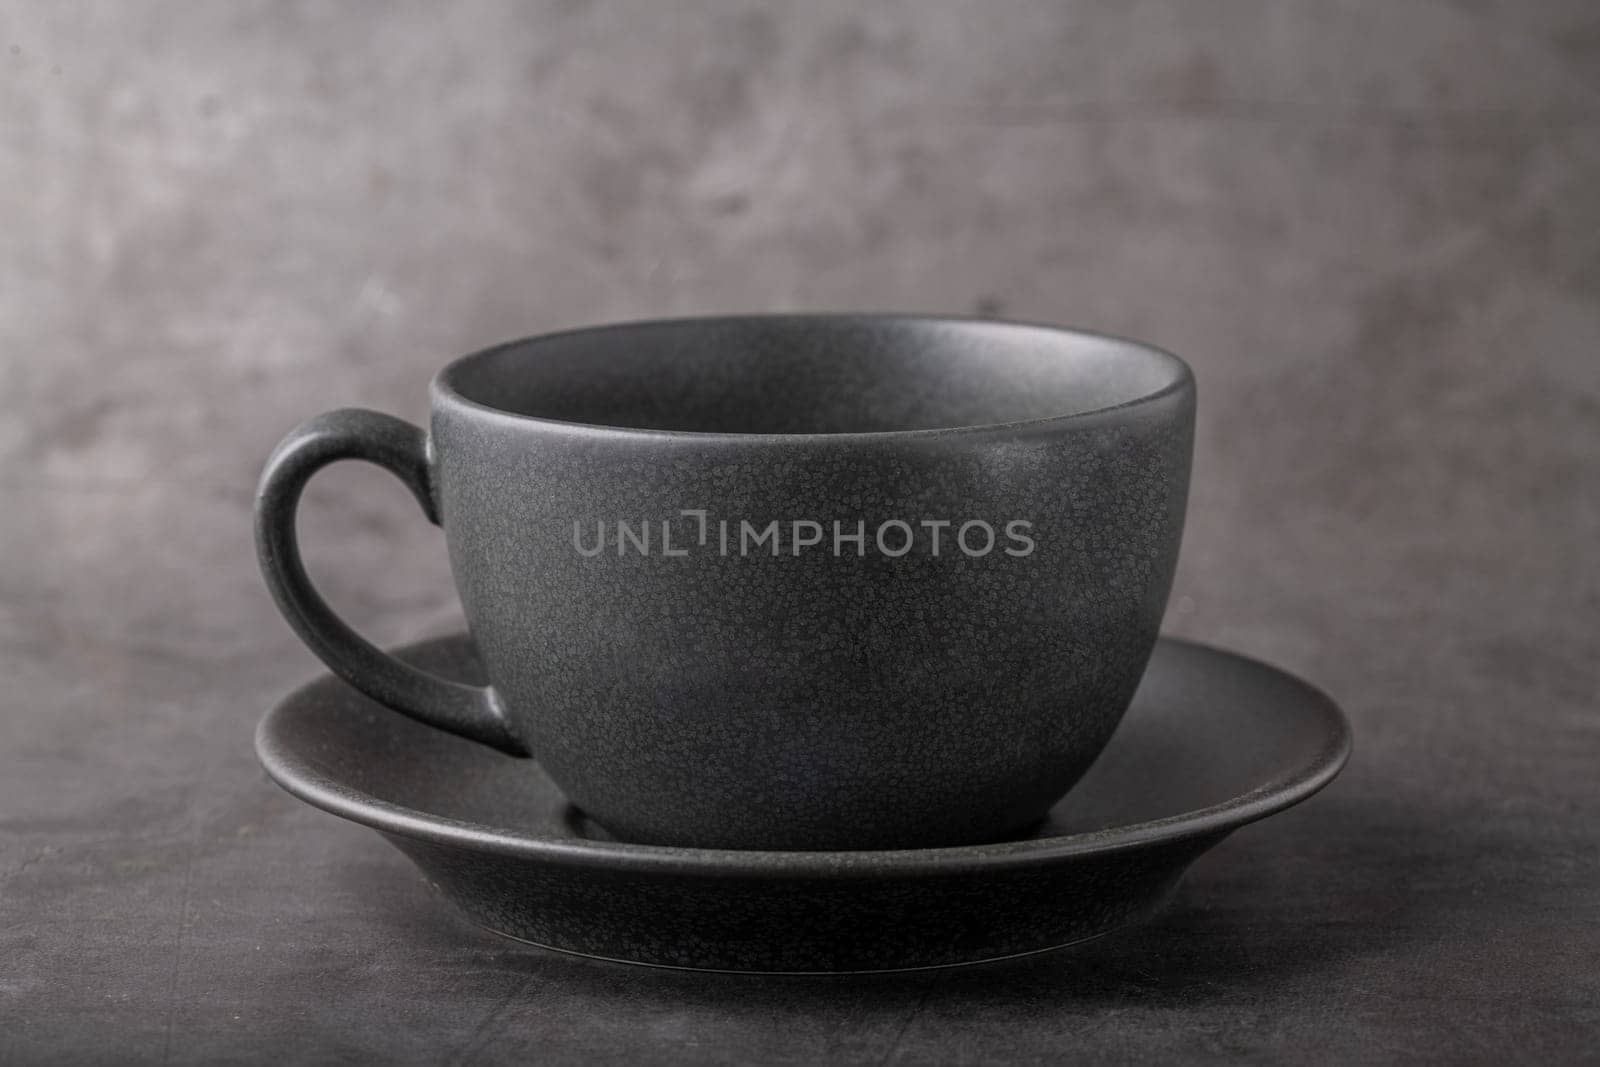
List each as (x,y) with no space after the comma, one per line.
(1371,227)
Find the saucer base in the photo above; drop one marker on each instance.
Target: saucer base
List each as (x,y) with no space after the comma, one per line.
(804,926)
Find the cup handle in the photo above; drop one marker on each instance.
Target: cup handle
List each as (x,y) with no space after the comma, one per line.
(402,449)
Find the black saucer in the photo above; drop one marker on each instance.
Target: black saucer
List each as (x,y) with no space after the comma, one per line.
(1213,741)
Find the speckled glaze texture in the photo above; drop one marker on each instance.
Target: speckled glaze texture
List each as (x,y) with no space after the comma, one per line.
(830,696)
(1212,741)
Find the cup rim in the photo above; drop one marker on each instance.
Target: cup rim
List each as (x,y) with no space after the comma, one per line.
(443,390)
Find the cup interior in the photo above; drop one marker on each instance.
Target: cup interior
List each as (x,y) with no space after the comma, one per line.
(812,374)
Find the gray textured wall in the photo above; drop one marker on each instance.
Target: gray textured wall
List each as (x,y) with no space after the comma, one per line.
(1372,227)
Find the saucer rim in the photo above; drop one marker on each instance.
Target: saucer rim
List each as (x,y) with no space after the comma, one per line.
(302,777)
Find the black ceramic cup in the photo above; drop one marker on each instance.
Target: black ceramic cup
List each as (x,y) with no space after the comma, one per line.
(783,582)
